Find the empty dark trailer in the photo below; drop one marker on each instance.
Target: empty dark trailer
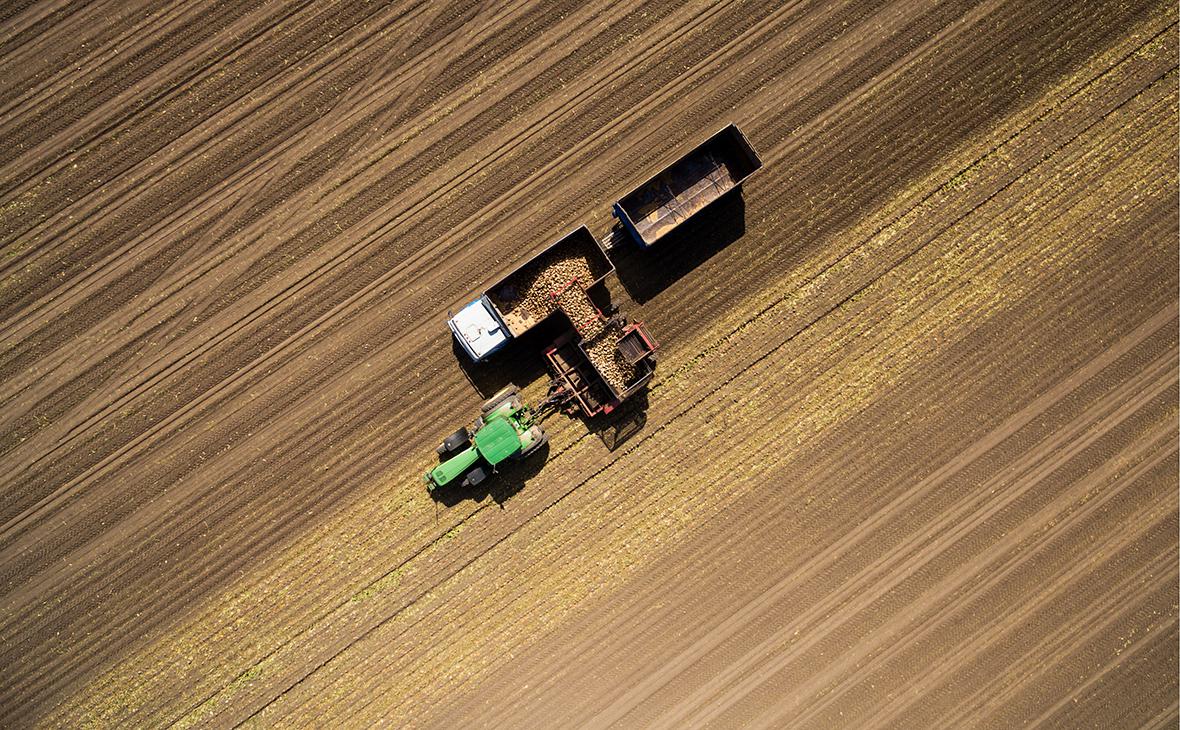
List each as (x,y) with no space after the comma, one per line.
(684,188)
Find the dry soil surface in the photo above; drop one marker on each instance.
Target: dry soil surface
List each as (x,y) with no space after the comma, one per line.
(909,457)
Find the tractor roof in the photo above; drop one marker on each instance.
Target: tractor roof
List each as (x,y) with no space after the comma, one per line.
(497,441)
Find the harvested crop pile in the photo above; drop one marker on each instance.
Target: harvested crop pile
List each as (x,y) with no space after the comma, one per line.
(530,294)
(604,354)
(582,313)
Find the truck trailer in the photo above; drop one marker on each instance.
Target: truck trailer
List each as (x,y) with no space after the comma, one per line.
(600,362)
(684,188)
(522,299)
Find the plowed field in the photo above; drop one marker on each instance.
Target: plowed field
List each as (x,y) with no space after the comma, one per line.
(909,458)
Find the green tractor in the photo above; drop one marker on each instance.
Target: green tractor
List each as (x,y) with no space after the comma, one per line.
(506,429)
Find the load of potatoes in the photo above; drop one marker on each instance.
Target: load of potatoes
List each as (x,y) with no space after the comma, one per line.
(544,286)
(603,351)
(538,283)
(582,313)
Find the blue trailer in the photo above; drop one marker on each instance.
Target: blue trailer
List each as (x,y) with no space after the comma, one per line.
(526,296)
(687,186)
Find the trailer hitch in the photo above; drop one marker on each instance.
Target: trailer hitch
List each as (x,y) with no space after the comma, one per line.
(560,398)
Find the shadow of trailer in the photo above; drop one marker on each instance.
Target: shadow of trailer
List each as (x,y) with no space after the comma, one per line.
(684,188)
(646,273)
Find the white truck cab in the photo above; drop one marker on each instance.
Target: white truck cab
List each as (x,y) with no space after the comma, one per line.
(478,330)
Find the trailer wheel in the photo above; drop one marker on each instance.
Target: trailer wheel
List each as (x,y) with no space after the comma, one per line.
(475,477)
(504,394)
(454,443)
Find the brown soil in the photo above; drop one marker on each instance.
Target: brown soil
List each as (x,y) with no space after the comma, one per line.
(910,454)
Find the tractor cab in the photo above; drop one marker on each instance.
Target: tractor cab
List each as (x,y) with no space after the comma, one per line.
(497,441)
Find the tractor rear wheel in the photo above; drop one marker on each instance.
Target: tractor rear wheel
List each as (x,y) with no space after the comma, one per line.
(454,443)
(492,403)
